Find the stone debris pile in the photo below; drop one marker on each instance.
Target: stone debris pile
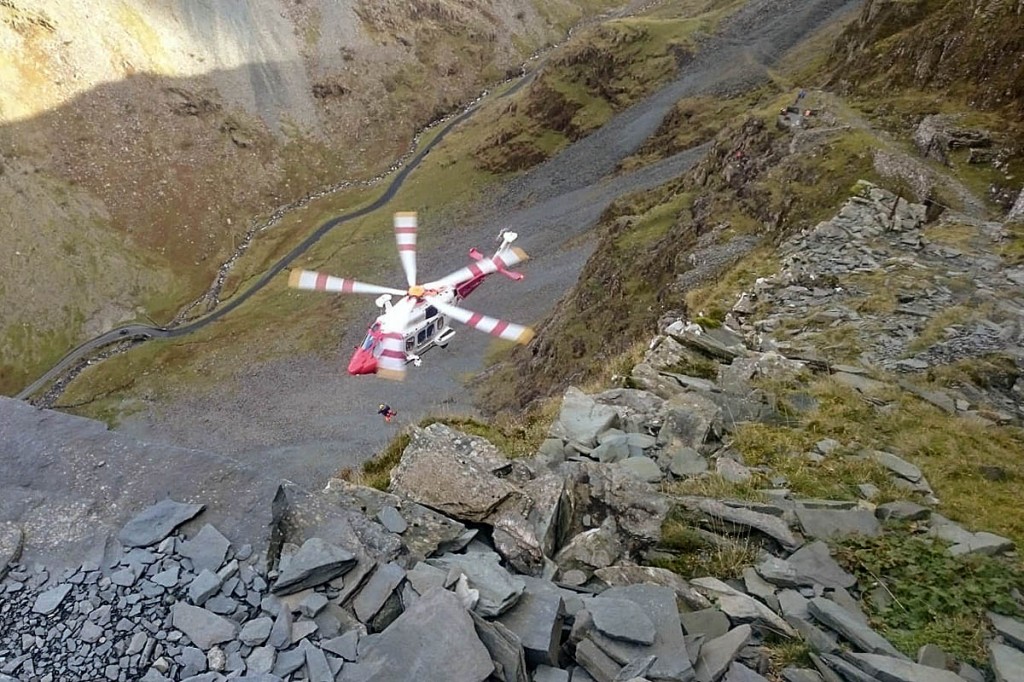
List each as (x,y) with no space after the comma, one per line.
(533,572)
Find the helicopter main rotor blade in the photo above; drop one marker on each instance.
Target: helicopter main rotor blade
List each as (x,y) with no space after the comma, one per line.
(319,281)
(509,331)
(502,260)
(405,237)
(392,359)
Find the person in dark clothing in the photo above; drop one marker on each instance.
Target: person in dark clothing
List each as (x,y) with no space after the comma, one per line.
(386,412)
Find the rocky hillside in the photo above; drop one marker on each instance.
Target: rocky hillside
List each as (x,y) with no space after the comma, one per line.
(967,51)
(139,142)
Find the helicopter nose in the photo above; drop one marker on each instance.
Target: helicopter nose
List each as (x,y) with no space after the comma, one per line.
(362,362)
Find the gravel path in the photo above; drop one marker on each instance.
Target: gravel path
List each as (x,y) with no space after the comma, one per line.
(302,418)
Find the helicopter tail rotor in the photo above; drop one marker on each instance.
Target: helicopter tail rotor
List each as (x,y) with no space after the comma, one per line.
(405,238)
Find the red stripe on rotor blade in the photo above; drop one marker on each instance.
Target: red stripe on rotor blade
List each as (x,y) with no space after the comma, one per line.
(474,319)
(396,354)
(347,285)
(405,230)
(499,328)
(406,247)
(321,281)
(499,262)
(475,269)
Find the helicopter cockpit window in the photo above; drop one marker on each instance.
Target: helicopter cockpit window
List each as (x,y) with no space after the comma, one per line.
(370,338)
(430,312)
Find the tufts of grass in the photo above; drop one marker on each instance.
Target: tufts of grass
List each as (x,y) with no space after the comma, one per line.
(935,598)
(691,554)
(376,472)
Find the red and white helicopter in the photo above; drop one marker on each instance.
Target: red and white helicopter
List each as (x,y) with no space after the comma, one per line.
(419,320)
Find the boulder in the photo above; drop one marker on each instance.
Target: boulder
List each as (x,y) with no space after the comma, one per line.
(690,421)
(434,639)
(530,526)
(621,619)
(384,581)
(422,530)
(591,549)
(581,419)
(453,473)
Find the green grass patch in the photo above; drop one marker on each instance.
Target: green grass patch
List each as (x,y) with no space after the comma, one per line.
(933,598)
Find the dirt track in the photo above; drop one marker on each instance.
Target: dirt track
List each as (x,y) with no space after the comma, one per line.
(302,418)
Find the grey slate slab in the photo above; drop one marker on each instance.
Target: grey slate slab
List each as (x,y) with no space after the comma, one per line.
(835,617)
(1007,663)
(157,522)
(316,562)
(621,619)
(828,524)
(47,602)
(433,640)
(201,626)
(207,549)
(888,669)
(537,619)
(717,654)
(377,589)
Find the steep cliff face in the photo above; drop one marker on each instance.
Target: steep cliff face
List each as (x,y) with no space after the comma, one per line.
(971,50)
(137,139)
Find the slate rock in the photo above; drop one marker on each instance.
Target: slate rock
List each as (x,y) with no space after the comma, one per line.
(829,524)
(256,631)
(207,549)
(1011,629)
(157,522)
(344,646)
(536,619)
(453,473)
(621,619)
(205,585)
(201,626)
(642,468)
(838,619)
(316,562)
(313,605)
(581,419)
(433,640)
(377,590)
(902,510)
(392,519)
(261,660)
(658,603)
(710,622)
(499,589)
(811,564)
(317,667)
(772,526)
(621,575)
(888,669)
(1007,663)
(505,648)
(545,673)
(47,602)
(741,608)
(738,672)
(718,654)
